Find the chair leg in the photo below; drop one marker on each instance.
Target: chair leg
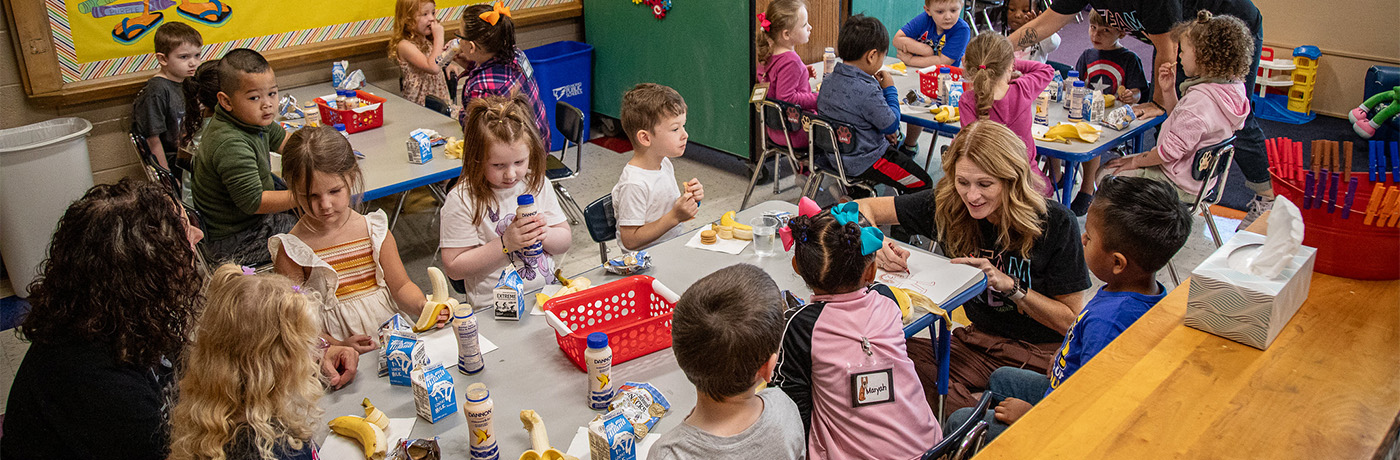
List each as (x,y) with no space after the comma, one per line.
(397,209)
(1171,269)
(1210,223)
(753,182)
(571,204)
(603,251)
(941,417)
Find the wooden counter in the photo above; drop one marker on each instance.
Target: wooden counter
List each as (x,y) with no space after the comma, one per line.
(1328,387)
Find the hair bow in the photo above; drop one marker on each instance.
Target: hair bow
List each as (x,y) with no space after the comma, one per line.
(249,270)
(763,22)
(871,239)
(846,213)
(493,16)
(805,207)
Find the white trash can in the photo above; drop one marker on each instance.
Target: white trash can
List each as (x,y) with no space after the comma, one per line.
(43,168)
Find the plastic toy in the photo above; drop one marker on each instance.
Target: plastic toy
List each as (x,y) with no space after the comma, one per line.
(1377,110)
(1304,76)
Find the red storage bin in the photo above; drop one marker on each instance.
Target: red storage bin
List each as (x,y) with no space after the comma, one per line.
(357,119)
(1347,248)
(928,79)
(635,312)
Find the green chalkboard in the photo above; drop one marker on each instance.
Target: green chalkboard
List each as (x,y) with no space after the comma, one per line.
(893,13)
(702,49)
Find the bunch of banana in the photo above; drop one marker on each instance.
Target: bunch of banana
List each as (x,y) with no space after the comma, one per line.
(946,114)
(437,302)
(539,439)
(570,286)
(367,430)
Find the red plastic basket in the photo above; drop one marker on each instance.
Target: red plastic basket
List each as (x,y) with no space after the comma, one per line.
(635,312)
(1346,247)
(928,79)
(357,119)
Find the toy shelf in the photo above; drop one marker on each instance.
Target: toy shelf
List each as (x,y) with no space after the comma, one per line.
(1277,64)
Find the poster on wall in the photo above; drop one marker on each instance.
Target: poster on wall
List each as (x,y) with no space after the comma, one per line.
(101,38)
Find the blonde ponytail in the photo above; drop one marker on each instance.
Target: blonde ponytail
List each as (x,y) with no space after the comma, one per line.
(988,58)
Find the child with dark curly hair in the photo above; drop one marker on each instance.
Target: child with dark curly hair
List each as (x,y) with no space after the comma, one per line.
(843,358)
(1216,55)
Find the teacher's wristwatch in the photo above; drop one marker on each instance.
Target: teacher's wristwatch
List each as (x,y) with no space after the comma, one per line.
(1015,294)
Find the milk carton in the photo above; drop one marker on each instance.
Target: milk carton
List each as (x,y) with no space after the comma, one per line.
(433,394)
(508,295)
(420,147)
(612,437)
(396,323)
(406,352)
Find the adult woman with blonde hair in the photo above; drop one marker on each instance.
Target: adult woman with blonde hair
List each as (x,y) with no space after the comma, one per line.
(250,381)
(987,212)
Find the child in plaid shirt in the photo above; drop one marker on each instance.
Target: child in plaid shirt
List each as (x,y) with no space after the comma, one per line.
(495,66)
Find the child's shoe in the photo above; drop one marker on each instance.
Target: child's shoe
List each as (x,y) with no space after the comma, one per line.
(1257,207)
(1081,203)
(911,150)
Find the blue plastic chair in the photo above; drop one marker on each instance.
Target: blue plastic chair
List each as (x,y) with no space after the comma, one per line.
(940,330)
(601,223)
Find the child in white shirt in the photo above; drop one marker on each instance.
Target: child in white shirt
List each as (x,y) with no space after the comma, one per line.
(648,205)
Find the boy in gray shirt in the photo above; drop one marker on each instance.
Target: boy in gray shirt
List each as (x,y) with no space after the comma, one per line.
(725,334)
(859,94)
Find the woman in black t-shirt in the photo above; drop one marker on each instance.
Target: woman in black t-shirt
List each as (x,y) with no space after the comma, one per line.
(986,212)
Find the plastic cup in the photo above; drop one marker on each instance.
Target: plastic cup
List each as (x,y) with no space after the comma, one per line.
(765,235)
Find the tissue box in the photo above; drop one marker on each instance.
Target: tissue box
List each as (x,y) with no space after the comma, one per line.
(508,291)
(611,437)
(420,147)
(406,353)
(1227,301)
(433,393)
(396,323)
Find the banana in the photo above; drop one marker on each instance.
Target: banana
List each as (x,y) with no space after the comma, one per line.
(570,286)
(946,114)
(728,220)
(439,300)
(374,415)
(539,440)
(901,297)
(369,435)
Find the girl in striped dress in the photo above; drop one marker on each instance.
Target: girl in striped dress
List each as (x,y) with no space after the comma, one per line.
(345,260)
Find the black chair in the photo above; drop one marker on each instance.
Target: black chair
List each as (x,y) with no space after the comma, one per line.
(154,171)
(601,223)
(569,121)
(438,105)
(967,439)
(196,219)
(830,137)
(973,9)
(1210,163)
(780,116)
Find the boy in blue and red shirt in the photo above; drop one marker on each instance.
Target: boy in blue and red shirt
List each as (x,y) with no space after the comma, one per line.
(937,36)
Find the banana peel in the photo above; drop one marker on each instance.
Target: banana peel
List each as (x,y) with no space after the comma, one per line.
(1108,100)
(946,114)
(913,304)
(539,439)
(1065,131)
(369,435)
(437,302)
(374,415)
(453,148)
(570,286)
(728,220)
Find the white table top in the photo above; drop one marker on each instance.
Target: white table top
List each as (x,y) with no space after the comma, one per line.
(530,372)
(385,166)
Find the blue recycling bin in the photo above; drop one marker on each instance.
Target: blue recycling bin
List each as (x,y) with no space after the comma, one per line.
(564,72)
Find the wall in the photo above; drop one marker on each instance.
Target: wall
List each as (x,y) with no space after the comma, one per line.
(1352,38)
(110,149)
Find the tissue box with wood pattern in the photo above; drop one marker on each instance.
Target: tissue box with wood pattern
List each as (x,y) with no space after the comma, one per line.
(1227,300)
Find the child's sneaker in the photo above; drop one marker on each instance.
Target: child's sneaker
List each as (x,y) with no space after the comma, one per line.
(1081,203)
(911,150)
(1258,206)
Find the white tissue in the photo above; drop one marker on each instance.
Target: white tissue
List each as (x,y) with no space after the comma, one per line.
(1284,240)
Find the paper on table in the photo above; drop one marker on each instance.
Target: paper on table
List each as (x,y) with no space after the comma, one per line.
(733,247)
(933,276)
(578,447)
(337,446)
(442,346)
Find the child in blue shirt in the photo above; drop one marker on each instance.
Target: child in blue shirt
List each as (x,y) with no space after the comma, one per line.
(858,93)
(1133,228)
(937,36)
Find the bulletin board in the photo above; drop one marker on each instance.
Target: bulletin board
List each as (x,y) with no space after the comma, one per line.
(76,47)
(702,48)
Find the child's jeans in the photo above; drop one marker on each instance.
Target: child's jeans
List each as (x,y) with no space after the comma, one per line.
(1007,382)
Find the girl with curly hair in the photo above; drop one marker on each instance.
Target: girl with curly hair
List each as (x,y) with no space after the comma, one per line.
(250,383)
(1216,55)
(987,212)
(112,306)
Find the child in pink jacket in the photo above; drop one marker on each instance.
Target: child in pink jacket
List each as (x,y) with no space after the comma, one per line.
(1004,90)
(1215,56)
(783,26)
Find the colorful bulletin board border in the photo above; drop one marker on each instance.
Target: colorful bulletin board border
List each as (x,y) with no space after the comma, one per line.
(141,59)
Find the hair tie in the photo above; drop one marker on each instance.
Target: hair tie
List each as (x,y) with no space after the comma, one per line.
(249,271)
(763,22)
(982,66)
(493,16)
(296,289)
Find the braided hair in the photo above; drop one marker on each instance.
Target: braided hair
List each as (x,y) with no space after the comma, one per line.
(827,254)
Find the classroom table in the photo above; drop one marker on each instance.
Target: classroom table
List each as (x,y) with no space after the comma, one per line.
(385,166)
(1072,154)
(530,372)
(1328,387)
